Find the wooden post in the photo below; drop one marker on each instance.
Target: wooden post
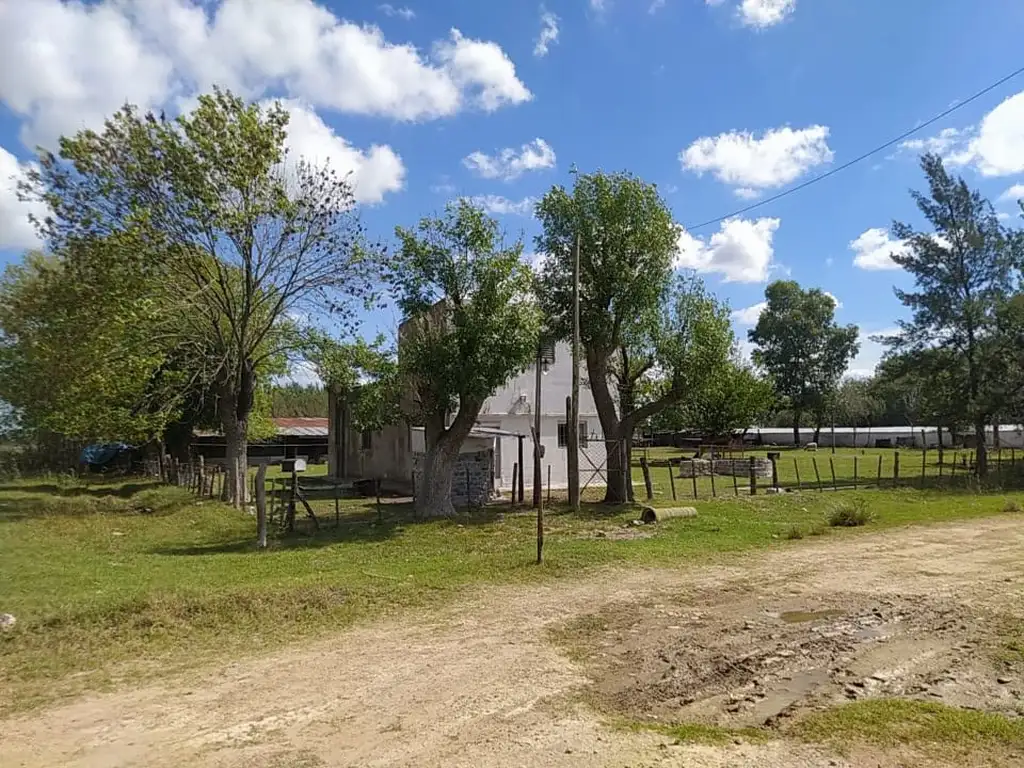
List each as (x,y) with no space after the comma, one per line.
(693,475)
(753,477)
(855,472)
(522,488)
(832,467)
(201,486)
(896,470)
(714,493)
(817,475)
(261,507)
(735,482)
(672,479)
(952,472)
(796,468)
(646,469)
(380,509)
(290,513)
(879,478)
(515,480)
(549,483)
(775,474)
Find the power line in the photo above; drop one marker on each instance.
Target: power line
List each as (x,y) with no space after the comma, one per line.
(860,158)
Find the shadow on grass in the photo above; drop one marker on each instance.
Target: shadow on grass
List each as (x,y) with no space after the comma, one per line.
(102,489)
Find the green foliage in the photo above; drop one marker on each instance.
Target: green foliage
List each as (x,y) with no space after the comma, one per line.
(473,320)
(856,403)
(232,235)
(849,513)
(966,272)
(799,344)
(298,400)
(364,374)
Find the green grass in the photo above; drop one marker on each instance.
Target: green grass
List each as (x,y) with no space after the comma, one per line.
(110,581)
(932,727)
(796,470)
(701,733)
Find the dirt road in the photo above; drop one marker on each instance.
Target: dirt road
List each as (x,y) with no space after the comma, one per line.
(482,684)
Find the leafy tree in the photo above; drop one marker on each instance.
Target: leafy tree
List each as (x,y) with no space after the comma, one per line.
(735,399)
(802,348)
(294,400)
(364,375)
(240,237)
(471,324)
(633,318)
(965,272)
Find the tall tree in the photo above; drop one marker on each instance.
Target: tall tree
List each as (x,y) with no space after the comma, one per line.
(242,236)
(471,324)
(965,272)
(633,317)
(802,348)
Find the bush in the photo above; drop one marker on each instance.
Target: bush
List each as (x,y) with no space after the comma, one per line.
(1013,506)
(818,529)
(849,514)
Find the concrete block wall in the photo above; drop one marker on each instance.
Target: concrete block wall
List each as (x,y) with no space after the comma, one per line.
(473,482)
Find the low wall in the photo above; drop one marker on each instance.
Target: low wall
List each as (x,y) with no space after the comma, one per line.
(739,467)
(473,481)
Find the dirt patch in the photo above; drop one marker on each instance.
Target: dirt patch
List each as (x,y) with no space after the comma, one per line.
(737,659)
(480,683)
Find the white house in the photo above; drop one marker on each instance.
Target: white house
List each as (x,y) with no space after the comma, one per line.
(511,409)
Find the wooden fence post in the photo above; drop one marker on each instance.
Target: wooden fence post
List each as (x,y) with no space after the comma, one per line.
(896,470)
(646,469)
(672,479)
(817,475)
(522,485)
(753,477)
(693,475)
(714,493)
(879,478)
(201,485)
(775,474)
(796,468)
(735,482)
(832,466)
(515,480)
(549,484)
(261,507)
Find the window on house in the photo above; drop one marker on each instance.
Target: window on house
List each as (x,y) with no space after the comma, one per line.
(563,435)
(367,439)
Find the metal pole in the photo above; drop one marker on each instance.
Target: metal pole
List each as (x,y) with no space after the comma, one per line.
(537,477)
(521,483)
(572,427)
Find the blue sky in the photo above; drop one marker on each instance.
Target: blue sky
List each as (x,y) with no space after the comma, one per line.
(719,102)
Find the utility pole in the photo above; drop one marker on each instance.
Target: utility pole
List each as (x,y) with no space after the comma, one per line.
(537,478)
(572,427)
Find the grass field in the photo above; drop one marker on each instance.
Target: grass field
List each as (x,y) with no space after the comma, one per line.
(110,581)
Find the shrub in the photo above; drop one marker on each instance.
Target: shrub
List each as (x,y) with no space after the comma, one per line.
(849,514)
(1013,506)
(794,533)
(818,529)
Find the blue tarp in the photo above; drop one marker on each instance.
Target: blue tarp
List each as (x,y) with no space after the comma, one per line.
(101,454)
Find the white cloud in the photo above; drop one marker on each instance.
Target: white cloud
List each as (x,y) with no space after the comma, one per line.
(837,302)
(746,193)
(765,13)
(373,173)
(872,250)
(509,164)
(741,250)
(535,260)
(496,205)
(67,65)
(948,143)
(998,147)
(548,33)
(403,13)
(1013,194)
(778,157)
(749,315)
(16,231)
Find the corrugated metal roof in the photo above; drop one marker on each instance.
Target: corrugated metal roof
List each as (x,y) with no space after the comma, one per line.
(301,427)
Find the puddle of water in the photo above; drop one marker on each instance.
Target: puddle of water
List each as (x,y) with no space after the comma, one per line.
(800,617)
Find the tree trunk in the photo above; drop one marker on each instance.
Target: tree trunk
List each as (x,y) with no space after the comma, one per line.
(796,428)
(616,491)
(434,493)
(236,461)
(982,449)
